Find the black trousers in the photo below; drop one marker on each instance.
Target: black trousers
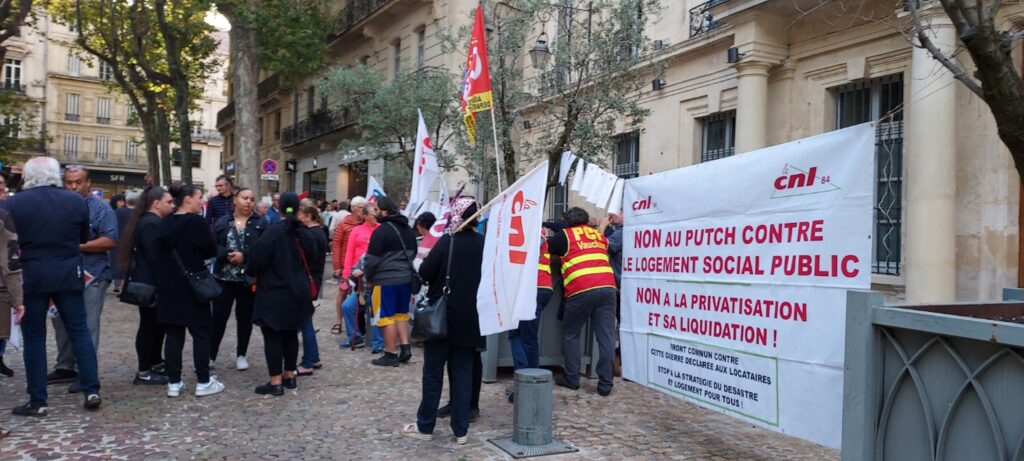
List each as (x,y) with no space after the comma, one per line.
(241,296)
(175,343)
(149,339)
(436,354)
(281,348)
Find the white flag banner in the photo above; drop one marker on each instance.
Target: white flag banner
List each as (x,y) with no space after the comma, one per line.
(568,158)
(425,169)
(374,190)
(508,282)
(605,188)
(615,204)
(591,178)
(577,176)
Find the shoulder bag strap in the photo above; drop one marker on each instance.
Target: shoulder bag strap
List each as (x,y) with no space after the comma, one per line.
(405,252)
(181,265)
(305,263)
(448,269)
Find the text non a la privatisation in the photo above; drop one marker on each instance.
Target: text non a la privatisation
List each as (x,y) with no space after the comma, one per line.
(801,264)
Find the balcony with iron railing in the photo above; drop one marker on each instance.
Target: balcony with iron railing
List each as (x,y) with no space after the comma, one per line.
(354,13)
(13,87)
(701,18)
(207,135)
(99,159)
(318,124)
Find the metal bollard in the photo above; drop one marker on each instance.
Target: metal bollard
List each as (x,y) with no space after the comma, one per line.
(532,417)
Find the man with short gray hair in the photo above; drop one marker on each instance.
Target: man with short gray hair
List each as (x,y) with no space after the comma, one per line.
(53,224)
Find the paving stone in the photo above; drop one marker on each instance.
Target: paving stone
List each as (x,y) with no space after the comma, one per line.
(348,410)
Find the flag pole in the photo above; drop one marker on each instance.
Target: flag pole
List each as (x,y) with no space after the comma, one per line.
(497,149)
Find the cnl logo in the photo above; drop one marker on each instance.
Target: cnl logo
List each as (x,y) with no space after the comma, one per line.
(796,181)
(645,206)
(516,236)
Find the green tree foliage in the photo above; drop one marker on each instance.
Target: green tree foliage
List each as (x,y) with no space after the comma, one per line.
(588,92)
(17,120)
(288,37)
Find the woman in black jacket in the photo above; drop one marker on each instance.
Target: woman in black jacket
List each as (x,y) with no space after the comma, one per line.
(140,252)
(309,216)
(185,240)
(284,292)
(458,350)
(235,233)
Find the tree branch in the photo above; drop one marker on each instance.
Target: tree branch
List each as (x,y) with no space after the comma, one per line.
(926,42)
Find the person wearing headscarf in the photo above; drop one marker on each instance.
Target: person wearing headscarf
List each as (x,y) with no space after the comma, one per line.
(463,246)
(285,290)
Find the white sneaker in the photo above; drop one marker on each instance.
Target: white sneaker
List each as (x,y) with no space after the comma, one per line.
(174,389)
(242,363)
(210,388)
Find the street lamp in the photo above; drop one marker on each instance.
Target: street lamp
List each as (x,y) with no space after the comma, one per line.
(540,54)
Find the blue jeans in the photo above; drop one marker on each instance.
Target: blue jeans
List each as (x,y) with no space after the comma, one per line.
(348,312)
(310,351)
(525,348)
(71,305)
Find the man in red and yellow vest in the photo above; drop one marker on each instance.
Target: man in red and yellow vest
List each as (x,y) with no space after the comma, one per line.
(525,347)
(590,294)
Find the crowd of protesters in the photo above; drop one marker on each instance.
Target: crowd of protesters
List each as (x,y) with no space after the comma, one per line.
(187,263)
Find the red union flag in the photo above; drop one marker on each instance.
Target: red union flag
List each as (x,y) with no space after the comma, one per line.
(508,281)
(476,84)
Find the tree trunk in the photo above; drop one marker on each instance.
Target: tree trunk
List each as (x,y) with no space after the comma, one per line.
(245,78)
(147,118)
(163,133)
(181,105)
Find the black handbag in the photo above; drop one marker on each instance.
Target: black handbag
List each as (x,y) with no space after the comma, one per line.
(431,319)
(137,293)
(417,282)
(204,287)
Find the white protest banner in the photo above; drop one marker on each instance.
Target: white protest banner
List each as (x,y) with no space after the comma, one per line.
(374,190)
(576,185)
(735,274)
(564,165)
(508,282)
(425,169)
(437,230)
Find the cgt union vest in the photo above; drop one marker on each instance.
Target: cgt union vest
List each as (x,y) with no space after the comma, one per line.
(585,266)
(544,268)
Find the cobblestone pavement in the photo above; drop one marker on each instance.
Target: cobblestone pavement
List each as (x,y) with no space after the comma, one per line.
(348,410)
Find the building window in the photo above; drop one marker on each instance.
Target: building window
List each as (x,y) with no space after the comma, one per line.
(12,74)
(396,51)
(559,201)
(103,111)
(627,156)
(310,101)
(718,138)
(71,107)
(277,126)
(106,71)
(881,100)
(10,126)
(421,46)
(176,157)
(102,148)
(70,145)
(74,64)
(131,117)
(131,151)
(315,182)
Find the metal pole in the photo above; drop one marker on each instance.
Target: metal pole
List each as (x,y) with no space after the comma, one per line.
(497,150)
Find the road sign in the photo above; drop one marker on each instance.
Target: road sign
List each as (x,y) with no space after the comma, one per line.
(270,177)
(269,166)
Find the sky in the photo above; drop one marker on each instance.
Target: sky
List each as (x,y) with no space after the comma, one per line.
(218,20)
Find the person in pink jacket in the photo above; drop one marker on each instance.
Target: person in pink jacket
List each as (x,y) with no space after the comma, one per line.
(359,240)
